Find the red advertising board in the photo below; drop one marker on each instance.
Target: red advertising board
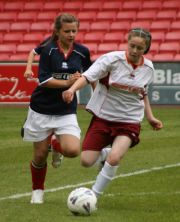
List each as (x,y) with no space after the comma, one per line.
(14,88)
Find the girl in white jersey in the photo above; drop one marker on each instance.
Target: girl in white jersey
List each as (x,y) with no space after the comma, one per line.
(118,105)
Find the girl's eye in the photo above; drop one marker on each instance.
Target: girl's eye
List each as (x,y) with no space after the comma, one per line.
(67,31)
(137,47)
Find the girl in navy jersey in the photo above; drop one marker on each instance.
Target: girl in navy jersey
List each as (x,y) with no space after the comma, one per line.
(61,63)
(117,104)
(54,145)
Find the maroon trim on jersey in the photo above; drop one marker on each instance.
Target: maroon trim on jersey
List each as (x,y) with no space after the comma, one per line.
(105,81)
(133,89)
(86,79)
(102,133)
(66,56)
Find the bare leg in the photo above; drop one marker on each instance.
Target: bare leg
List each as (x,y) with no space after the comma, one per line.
(89,157)
(120,146)
(70,145)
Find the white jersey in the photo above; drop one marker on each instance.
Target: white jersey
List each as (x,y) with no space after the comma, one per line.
(122,99)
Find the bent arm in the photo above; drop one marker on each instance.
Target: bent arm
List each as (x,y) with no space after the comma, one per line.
(155,123)
(148,110)
(61,83)
(68,95)
(28,72)
(80,83)
(55,83)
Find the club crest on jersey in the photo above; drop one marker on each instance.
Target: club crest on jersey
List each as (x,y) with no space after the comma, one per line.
(131,76)
(64,65)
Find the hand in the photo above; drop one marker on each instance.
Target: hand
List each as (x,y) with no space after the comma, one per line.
(68,95)
(75,75)
(73,78)
(156,124)
(28,74)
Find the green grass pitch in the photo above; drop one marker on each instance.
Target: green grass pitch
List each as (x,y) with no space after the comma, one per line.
(146,188)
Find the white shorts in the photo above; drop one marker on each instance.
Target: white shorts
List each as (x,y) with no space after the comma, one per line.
(38,126)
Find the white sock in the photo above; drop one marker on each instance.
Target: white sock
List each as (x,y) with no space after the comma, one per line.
(103,155)
(104,177)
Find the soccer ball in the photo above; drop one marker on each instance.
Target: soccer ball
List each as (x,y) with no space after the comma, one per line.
(82,201)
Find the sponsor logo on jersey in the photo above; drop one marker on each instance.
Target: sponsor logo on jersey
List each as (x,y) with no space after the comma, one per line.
(63,76)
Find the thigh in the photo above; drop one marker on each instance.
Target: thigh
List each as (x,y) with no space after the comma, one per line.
(98,135)
(131,130)
(120,146)
(40,151)
(69,142)
(70,145)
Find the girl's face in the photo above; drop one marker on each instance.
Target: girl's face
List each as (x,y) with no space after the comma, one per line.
(136,48)
(67,34)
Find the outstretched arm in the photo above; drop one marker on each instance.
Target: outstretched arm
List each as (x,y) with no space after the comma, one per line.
(155,123)
(68,95)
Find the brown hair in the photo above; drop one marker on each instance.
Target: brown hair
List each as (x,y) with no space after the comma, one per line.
(143,34)
(59,20)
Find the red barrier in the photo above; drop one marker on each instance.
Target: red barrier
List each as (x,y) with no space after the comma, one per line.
(14,88)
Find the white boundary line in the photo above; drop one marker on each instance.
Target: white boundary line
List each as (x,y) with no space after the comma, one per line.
(18,196)
(142,194)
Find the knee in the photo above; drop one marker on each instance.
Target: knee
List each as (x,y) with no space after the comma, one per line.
(88,158)
(71,152)
(40,157)
(113,160)
(86,163)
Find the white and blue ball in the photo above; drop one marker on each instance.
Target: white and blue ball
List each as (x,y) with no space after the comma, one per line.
(82,201)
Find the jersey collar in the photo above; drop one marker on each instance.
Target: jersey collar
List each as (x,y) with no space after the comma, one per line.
(66,56)
(134,65)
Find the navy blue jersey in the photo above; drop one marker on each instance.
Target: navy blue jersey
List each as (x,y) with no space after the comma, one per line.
(40,47)
(53,64)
